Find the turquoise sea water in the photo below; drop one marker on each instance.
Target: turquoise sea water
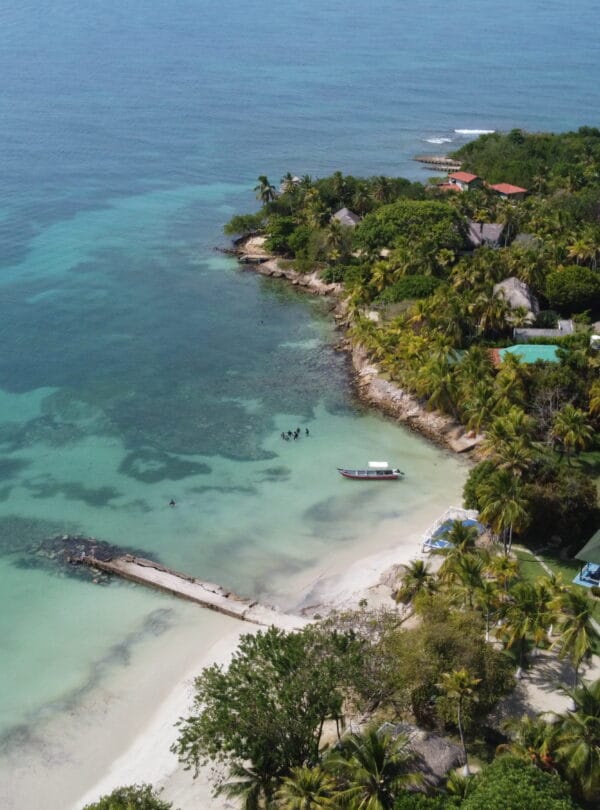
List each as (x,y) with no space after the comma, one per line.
(137,365)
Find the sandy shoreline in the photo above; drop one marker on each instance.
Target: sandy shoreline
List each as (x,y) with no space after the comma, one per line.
(148,758)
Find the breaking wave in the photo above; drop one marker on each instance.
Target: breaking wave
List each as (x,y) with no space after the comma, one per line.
(474,131)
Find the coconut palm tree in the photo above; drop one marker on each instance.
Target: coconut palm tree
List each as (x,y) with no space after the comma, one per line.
(459,687)
(265,192)
(477,405)
(306,789)
(372,767)
(594,407)
(508,384)
(464,572)
(504,506)
(503,570)
(253,788)
(578,746)
(527,618)
(573,610)
(437,381)
(532,739)
(416,578)
(488,599)
(572,431)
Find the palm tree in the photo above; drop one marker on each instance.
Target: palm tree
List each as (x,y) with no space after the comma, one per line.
(594,408)
(306,789)
(572,430)
(504,506)
(253,788)
(534,740)
(417,578)
(437,382)
(478,405)
(508,384)
(372,768)
(265,192)
(465,573)
(459,686)
(574,613)
(578,749)
(487,599)
(503,570)
(381,189)
(513,427)
(526,619)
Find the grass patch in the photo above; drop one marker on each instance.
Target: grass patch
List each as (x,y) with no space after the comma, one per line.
(531,570)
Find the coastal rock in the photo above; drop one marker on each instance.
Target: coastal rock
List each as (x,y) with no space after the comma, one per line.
(373,390)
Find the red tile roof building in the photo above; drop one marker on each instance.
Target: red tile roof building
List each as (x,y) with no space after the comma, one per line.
(508,190)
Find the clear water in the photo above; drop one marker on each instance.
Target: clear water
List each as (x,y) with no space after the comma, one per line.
(138,365)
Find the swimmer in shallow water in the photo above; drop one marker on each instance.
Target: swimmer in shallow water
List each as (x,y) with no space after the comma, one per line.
(171,502)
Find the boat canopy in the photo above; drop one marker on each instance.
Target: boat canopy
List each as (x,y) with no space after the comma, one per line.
(378,465)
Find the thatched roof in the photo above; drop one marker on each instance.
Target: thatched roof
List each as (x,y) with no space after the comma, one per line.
(437,755)
(518,294)
(347,217)
(484,233)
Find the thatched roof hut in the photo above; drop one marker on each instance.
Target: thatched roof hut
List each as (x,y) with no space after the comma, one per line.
(518,294)
(347,217)
(437,755)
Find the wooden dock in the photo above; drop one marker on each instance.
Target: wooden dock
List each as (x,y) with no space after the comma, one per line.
(205,594)
(438,162)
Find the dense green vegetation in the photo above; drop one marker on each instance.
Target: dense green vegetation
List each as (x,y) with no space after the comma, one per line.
(275,717)
(275,720)
(132,797)
(409,258)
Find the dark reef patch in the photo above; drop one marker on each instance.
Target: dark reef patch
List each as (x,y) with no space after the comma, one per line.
(48,488)
(151,466)
(274,474)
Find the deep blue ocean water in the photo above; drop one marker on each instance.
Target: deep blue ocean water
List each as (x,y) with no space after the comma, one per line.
(136,364)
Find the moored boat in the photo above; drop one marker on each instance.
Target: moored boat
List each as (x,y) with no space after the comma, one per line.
(376,471)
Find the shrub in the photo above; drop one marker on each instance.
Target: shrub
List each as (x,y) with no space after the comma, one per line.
(546,319)
(573,289)
(245,223)
(511,784)
(409,287)
(133,797)
(279,231)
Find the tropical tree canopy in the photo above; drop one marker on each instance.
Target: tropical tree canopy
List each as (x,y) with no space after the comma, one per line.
(132,797)
(269,706)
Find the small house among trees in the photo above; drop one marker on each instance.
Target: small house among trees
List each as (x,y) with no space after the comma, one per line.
(509,192)
(465,181)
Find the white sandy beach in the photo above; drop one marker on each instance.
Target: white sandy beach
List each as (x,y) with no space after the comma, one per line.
(148,758)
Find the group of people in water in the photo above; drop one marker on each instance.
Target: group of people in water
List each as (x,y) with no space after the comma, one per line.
(293,435)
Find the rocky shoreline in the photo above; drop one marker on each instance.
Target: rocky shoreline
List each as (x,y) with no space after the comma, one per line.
(372,388)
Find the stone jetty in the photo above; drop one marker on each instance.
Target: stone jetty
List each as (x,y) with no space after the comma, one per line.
(205,594)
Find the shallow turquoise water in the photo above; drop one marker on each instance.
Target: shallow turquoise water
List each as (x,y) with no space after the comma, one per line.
(139,365)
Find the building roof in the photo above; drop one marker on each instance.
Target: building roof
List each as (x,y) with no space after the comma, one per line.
(564,328)
(463,177)
(447,187)
(531,352)
(486,233)
(507,188)
(591,551)
(518,294)
(347,217)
